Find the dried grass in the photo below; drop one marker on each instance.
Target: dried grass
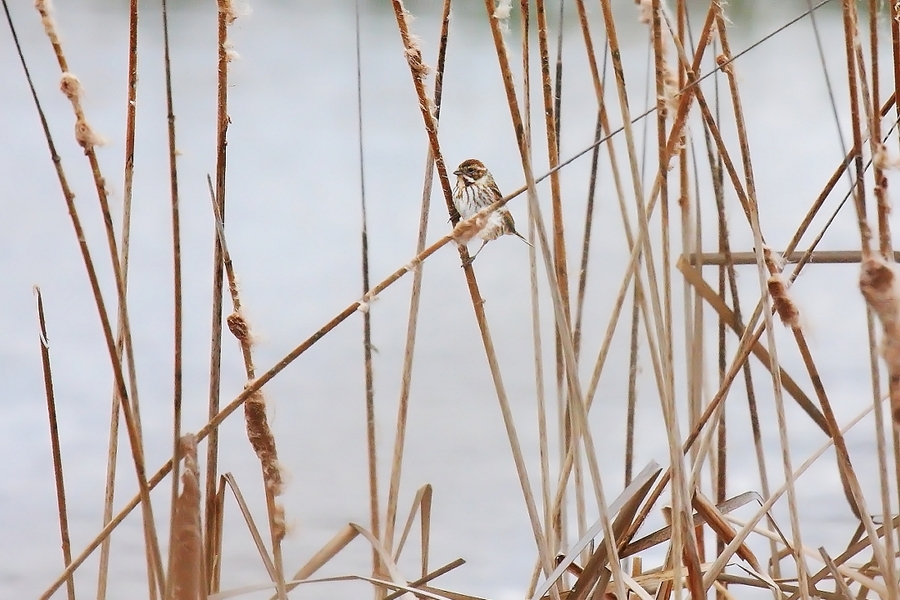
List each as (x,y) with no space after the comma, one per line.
(595,564)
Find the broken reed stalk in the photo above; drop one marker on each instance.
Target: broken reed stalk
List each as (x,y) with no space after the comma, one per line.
(257,425)
(418,72)
(225,16)
(113,438)
(44,340)
(414,299)
(177,324)
(372,456)
(72,88)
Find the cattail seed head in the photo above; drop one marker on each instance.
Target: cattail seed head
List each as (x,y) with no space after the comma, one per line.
(239,328)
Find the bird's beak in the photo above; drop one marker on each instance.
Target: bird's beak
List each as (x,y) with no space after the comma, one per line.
(457,173)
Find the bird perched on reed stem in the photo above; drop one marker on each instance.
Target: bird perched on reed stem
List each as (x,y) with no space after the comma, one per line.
(475,189)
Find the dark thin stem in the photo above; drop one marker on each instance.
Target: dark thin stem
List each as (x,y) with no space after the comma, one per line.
(558,75)
(559,244)
(586,240)
(54,443)
(374,511)
(176,274)
(632,387)
(859,195)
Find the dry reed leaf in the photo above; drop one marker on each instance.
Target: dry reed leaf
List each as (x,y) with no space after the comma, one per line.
(709,513)
(651,581)
(385,557)
(664,534)
(421,501)
(448,594)
(839,582)
(856,574)
(325,554)
(429,577)
(596,568)
(186,564)
(247,589)
(251,524)
(632,495)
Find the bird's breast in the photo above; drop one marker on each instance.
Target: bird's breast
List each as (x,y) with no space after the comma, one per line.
(466,199)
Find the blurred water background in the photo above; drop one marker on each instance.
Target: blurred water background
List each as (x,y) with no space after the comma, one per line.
(293,221)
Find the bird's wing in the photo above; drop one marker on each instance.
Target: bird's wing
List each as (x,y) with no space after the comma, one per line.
(495,191)
(509,224)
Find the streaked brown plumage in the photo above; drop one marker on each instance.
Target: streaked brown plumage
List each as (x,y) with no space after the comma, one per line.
(475,189)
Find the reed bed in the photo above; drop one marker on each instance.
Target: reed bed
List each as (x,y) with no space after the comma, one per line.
(664,326)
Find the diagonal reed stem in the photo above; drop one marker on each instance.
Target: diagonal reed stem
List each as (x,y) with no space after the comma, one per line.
(54,442)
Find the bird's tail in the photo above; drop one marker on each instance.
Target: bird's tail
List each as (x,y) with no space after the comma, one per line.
(519,235)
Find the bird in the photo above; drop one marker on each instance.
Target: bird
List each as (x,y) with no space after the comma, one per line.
(475,189)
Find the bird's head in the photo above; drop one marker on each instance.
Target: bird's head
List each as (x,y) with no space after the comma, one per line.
(470,171)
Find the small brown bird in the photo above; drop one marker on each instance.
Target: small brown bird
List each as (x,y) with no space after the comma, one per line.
(475,189)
